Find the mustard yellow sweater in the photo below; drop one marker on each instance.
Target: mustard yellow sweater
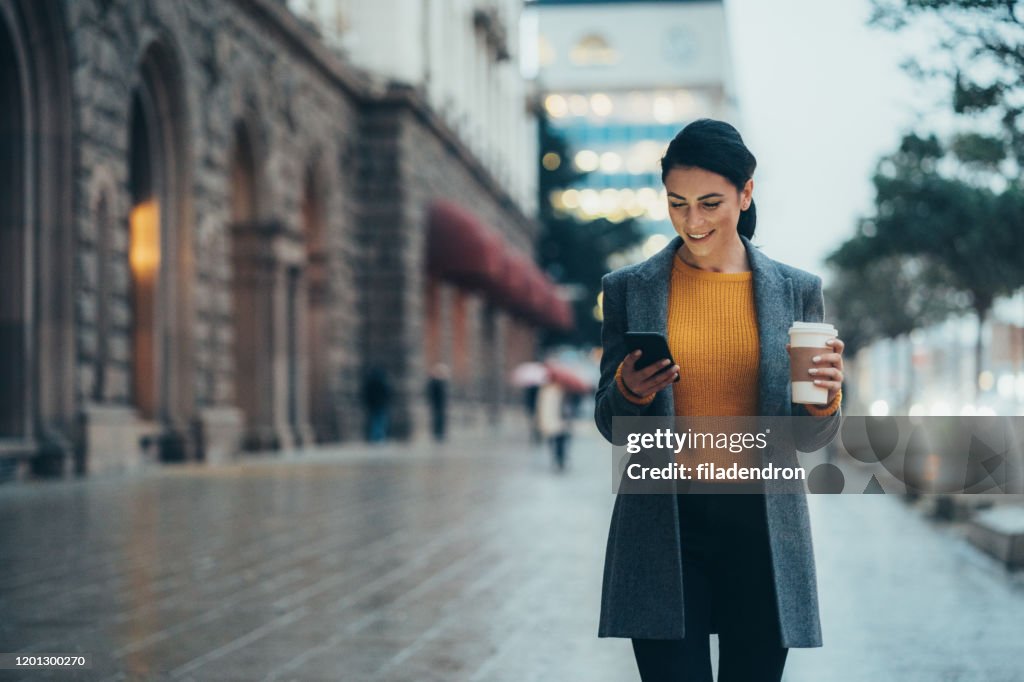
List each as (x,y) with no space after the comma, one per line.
(712,334)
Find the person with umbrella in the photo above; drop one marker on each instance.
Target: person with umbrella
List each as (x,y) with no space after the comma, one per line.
(557,404)
(530,376)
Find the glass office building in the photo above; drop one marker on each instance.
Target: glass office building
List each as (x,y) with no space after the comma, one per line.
(617,81)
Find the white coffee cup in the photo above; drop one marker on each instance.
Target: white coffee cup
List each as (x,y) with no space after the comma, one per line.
(807,339)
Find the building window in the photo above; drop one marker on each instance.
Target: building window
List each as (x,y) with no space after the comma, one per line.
(593,50)
(144,260)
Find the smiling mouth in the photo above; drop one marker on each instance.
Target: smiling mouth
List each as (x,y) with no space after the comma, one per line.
(700,235)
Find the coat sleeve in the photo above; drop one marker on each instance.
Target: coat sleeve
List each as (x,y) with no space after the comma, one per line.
(813,433)
(609,401)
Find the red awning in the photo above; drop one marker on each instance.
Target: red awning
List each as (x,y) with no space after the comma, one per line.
(527,291)
(563,317)
(540,296)
(555,312)
(512,290)
(461,249)
(464,251)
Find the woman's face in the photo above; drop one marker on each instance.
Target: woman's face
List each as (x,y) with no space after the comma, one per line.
(705,208)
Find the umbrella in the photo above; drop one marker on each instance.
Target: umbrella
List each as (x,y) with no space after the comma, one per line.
(568,379)
(529,374)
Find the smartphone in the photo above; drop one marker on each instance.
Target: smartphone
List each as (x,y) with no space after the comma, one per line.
(654,347)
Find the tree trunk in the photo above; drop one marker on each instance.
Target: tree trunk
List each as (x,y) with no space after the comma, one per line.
(911,376)
(1018,342)
(981,310)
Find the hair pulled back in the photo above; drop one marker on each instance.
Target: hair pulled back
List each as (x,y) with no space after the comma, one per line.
(717,147)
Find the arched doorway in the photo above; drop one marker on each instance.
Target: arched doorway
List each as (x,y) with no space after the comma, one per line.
(144,263)
(160,254)
(252,296)
(14,254)
(37,380)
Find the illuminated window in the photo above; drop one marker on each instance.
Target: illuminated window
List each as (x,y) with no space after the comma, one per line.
(144,250)
(664,110)
(645,157)
(587,160)
(593,50)
(144,262)
(601,104)
(578,105)
(590,202)
(609,200)
(654,244)
(556,106)
(610,162)
(555,198)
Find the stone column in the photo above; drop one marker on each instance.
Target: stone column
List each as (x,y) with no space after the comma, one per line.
(382,232)
(254,281)
(290,405)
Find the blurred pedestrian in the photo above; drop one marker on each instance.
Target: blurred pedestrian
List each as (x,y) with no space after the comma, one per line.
(552,421)
(680,567)
(437,396)
(573,401)
(377,401)
(530,404)
(530,376)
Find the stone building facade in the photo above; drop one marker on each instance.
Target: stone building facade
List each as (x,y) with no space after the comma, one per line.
(212,227)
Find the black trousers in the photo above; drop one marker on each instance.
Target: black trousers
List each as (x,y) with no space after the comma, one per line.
(727,586)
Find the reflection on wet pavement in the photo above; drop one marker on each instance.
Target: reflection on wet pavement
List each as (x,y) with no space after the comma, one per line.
(472,562)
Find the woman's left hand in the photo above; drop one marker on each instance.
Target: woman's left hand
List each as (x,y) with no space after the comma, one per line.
(828,368)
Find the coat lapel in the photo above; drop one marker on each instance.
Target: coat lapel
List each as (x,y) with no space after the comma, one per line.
(647,310)
(647,305)
(647,300)
(773,299)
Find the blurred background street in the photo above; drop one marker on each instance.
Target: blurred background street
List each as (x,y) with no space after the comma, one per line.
(300,307)
(368,227)
(471,562)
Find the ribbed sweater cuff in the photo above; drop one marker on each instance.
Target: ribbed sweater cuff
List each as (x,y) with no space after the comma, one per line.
(628,394)
(826,410)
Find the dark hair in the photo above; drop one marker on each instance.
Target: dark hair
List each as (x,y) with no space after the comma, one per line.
(717,147)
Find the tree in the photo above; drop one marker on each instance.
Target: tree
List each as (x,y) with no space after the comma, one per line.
(981,56)
(967,238)
(574,252)
(886,297)
(947,215)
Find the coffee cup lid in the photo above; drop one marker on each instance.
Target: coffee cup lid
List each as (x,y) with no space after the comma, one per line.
(822,327)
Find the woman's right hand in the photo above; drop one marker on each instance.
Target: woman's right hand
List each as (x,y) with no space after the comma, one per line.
(650,379)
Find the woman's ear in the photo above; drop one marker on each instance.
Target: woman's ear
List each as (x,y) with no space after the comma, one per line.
(747,195)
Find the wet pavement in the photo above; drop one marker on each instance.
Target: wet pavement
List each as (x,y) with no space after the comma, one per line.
(474,561)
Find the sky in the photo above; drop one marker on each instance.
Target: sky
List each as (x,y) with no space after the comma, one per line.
(821,97)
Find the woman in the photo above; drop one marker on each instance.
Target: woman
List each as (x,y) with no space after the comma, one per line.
(552,424)
(679,567)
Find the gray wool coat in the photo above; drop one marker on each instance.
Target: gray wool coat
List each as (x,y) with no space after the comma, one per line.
(642,595)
